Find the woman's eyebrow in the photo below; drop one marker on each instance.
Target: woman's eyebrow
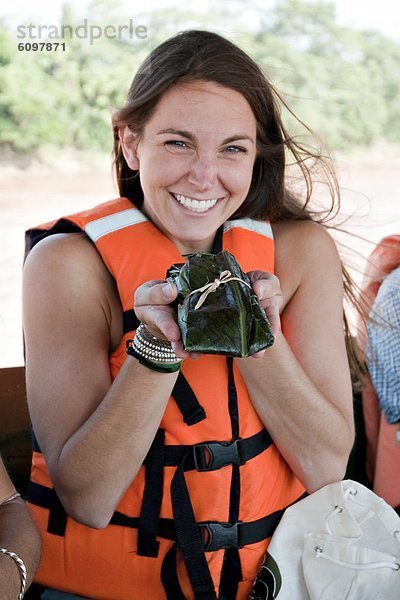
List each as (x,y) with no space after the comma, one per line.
(237,137)
(180,132)
(233,138)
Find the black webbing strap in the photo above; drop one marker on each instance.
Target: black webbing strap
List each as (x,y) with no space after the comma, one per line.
(34,442)
(190,542)
(130,322)
(187,402)
(147,544)
(217,244)
(211,456)
(57,518)
(169,575)
(214,535)
(207,456)
(34,235)
(231,572)
(47,498)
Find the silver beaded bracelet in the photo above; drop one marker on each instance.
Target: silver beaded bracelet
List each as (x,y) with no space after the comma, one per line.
(152,348)
(21,567)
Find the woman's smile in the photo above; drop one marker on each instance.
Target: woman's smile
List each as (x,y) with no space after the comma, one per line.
(195,205)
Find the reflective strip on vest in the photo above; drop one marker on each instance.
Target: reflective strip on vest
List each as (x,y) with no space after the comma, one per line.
(260,227)
(105,225)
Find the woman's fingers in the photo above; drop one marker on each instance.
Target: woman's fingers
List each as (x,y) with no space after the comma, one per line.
(151,303)
(268,290)
(152,308)
(155,292)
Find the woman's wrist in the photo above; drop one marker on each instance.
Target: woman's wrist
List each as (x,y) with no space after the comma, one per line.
(152,352)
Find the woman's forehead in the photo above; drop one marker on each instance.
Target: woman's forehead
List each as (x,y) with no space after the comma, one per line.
(203,105)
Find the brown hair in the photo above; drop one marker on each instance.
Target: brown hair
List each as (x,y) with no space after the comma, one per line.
(205,56)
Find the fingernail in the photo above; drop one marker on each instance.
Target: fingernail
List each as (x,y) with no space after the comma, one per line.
(168,291)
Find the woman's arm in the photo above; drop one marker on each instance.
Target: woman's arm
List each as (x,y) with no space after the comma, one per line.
(18,535)
(301,387)
(94,435)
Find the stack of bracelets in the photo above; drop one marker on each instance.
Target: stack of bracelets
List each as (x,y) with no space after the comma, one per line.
(152,352)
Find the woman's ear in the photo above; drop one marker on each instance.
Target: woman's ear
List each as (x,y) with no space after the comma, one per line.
(129,144)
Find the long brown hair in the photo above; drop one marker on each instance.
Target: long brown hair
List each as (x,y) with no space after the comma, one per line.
(205,56)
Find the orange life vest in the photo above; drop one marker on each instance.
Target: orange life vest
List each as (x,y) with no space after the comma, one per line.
(383,453)
(196,520)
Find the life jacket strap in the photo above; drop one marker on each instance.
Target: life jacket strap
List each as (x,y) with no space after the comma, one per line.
(147,544)
(248,533)
(207,456)
(169,575)
(193,538)
(185,398)
(130,322)
(211,456)
(190,542)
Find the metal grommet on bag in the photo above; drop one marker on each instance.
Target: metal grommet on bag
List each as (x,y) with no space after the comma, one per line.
(318,551)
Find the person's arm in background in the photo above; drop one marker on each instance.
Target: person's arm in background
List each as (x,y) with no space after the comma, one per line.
(18,535)
(384,346)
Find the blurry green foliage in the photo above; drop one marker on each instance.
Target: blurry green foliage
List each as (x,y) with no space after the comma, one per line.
(343,83)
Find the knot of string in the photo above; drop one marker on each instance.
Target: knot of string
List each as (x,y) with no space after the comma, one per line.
(208,288)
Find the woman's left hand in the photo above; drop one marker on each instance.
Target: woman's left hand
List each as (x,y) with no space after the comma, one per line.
(269,293)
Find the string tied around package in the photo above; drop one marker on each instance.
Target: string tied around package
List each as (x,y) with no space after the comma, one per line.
(209,288)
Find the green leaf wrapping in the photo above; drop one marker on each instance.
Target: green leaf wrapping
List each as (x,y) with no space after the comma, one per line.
(231,321)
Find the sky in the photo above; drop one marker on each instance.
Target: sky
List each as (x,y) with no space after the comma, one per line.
(364,14)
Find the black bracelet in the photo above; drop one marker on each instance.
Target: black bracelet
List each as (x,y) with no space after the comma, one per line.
(160,367)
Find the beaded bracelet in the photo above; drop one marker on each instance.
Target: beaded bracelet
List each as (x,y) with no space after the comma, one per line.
(21,568)
(160,367)
(152,352)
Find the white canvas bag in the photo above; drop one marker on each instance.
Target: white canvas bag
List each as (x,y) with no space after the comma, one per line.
(341,542)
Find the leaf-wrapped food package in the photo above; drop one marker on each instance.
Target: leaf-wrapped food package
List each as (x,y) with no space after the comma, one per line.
(218,311)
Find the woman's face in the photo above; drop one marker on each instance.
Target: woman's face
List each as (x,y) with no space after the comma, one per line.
(195,159)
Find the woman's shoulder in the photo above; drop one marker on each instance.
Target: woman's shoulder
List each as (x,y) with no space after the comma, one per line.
(306,240)
(304,250)
(66,268)
(66,254)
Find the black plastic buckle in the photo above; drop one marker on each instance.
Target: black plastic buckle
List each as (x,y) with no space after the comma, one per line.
(211,456)
(217,536)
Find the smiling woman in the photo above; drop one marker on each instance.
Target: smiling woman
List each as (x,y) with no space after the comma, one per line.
(163,474)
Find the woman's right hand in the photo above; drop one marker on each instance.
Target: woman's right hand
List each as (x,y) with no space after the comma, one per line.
(152,307)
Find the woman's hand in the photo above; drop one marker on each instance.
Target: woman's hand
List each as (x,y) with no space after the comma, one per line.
(152,308)
(269,293)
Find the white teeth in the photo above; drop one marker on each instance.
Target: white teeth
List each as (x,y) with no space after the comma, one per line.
(195,205)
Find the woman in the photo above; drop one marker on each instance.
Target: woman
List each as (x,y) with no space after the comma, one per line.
(19,541)
(153,510)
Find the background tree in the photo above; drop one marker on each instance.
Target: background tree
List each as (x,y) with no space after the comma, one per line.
(343,82)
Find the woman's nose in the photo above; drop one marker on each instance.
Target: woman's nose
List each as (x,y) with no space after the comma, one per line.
(203,174)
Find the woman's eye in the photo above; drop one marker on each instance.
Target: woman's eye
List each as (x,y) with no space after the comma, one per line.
(234,149)
(176,144)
